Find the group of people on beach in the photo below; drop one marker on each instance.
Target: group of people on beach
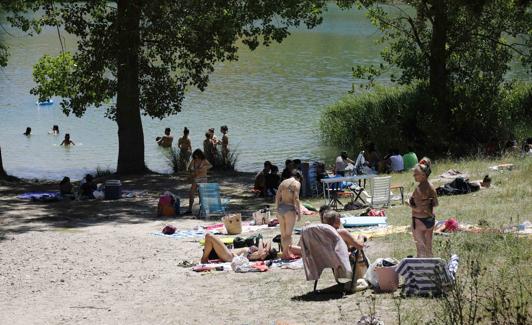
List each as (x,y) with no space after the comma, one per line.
(268,179)
(54,131)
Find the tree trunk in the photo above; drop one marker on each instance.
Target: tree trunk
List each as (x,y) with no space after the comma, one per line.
(130,133)
(439,78)
(3,173)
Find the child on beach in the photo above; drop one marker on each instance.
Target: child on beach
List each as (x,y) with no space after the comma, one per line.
(422,202)
(67,142)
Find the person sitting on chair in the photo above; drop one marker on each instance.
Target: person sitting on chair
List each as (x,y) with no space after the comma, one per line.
(215,249)
(332,218)
(341,164)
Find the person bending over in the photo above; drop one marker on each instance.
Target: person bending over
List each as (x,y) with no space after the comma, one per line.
(288,209)
(422,202)
(215,249)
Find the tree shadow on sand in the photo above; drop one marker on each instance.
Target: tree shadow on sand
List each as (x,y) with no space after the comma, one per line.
(20,216)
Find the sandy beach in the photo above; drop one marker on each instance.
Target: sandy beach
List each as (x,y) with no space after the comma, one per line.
(98,262)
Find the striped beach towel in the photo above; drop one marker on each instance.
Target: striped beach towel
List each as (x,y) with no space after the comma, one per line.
(424,276)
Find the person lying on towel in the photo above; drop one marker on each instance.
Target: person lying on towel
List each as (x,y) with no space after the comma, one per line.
(332,218)
(215,249)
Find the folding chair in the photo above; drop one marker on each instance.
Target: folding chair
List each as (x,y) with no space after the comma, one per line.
(210,201)
(380,191)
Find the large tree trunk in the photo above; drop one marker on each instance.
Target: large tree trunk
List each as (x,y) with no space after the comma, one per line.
(130,134)
(3,173)
(439,77)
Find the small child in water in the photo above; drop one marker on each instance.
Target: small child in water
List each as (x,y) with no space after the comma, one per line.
(66,142)
(55,130)
(28,131)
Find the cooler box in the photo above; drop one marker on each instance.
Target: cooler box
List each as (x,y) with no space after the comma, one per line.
(113,190)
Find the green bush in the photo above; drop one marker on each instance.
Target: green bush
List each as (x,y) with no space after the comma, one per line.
(398,117)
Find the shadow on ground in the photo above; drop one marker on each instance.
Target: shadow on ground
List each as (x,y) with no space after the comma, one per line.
(19,216)
(331,293)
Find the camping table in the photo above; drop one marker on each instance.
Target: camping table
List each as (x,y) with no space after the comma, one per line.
(335,182)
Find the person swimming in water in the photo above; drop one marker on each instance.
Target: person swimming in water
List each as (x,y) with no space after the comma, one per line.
(166,140)
(66,141)
(28,131)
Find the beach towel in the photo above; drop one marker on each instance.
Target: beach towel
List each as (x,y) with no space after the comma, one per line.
(182,234)
(380,231)
(350,221)
(453,173)
(322,248)
(40,196)
(424,276)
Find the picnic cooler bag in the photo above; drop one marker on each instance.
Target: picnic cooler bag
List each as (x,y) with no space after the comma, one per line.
(262,216)
(113,189)
(233,223)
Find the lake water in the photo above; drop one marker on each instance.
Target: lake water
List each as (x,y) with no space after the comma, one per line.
(271,100)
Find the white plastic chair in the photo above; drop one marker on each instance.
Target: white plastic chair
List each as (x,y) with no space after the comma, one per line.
(379,194)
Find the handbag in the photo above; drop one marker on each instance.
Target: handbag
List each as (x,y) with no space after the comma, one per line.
(233,223)
(262,216)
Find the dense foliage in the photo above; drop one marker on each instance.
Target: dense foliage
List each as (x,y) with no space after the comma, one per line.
(460,51)
(392,117)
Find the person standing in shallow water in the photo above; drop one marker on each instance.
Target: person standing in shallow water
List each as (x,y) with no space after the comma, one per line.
(67,142)
(185,147)
(422,202)
(225,143)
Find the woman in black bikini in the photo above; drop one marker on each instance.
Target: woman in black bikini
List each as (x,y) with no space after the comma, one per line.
(422,202)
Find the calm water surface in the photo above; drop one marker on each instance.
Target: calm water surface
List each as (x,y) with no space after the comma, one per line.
(271,99)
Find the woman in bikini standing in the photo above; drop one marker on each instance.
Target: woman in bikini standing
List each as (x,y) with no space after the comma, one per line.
(422,202)
(198,168)
(288,209)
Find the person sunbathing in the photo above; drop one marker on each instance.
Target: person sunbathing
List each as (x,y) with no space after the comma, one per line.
(484,183)
(215,249)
